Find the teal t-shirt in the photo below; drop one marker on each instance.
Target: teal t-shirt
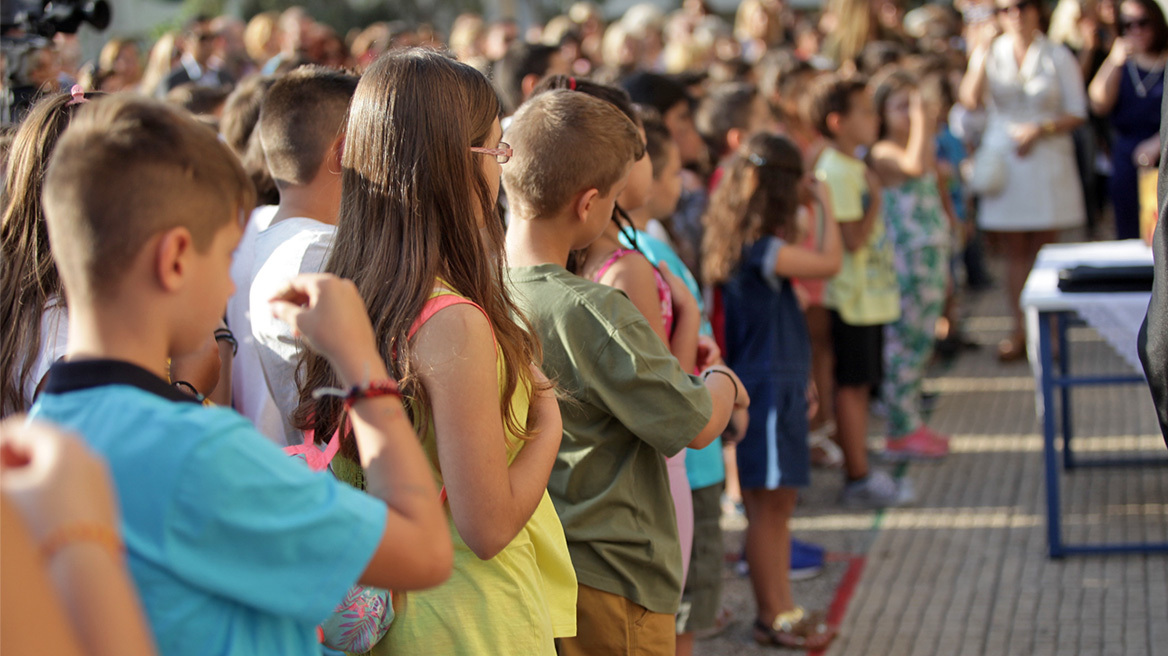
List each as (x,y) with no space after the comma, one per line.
(235,547)
(703,467)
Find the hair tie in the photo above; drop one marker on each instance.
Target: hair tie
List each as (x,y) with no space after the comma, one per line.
(78,96)
(756,159)
(572,83)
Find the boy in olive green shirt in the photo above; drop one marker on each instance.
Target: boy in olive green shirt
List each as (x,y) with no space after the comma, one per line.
(629,401)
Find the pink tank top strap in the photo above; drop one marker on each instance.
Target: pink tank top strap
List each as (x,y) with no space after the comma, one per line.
(664,294)
(441,300)
(616,255)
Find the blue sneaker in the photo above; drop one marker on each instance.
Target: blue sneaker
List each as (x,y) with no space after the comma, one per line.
(806,561)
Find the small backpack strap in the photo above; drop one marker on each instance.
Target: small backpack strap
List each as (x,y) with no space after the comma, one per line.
(317,460)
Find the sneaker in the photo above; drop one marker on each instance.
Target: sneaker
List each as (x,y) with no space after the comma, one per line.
(921,444)
(806,560)
(877,490)
(732,509)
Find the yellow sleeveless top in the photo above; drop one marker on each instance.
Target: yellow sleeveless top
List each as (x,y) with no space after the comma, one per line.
(514,603)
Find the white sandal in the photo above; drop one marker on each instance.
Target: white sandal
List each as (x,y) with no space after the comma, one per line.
(831,456)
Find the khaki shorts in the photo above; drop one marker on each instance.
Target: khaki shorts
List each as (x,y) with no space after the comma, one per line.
(610,624)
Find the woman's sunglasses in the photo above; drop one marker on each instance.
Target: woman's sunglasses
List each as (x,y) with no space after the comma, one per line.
(1018,7)
(1127,25)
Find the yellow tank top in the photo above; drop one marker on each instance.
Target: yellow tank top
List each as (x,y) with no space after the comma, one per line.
(514,603)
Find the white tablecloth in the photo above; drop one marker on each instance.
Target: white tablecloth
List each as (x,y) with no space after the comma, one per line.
(1116,316)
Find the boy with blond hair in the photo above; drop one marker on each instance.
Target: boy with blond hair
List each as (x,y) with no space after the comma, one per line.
(629,401)
(234,547)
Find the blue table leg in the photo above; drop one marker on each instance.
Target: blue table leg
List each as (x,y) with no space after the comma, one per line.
(1065,390)
(1050,459)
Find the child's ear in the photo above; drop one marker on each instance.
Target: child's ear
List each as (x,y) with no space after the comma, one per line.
(337,154)
(833,122)
(528,84)
(734,139)
(172,258)
(584,203)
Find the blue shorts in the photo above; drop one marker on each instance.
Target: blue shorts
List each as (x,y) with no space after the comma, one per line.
(774,452)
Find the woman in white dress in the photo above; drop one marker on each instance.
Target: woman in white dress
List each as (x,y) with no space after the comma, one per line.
(1035,97)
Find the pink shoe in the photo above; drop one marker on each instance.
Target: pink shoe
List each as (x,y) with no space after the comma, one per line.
(938,436)
(921,444)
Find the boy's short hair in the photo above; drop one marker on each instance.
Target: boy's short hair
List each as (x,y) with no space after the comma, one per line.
(657,91)
(831,94)
(241,111)
(522,59)
(197,99)
(302,114)
(126,169)
(565,142)
(728,106)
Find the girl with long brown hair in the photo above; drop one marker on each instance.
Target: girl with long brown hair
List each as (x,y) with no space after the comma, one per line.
(32,309)
(419,236)
(751,252)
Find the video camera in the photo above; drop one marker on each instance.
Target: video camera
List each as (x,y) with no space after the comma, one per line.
(46,18)
(26,26)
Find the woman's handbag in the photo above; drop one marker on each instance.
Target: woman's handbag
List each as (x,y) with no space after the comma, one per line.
(988,174)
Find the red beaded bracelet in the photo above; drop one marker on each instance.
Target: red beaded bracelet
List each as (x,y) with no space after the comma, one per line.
(373,390)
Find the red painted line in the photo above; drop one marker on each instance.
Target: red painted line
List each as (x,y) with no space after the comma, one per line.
(843,594)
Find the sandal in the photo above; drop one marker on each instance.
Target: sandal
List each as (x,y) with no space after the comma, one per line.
(824,452)
(796,629)
(1012,349)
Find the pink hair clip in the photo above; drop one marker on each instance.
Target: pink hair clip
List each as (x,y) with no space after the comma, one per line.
(78,95)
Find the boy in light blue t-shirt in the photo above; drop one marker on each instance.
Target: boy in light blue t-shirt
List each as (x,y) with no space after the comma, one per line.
(234,547)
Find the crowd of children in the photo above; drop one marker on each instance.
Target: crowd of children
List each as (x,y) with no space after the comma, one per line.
(526,352)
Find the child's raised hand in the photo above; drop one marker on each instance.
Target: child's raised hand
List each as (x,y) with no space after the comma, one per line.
(916,104)
(1121,49)
(328,313)
(812,400)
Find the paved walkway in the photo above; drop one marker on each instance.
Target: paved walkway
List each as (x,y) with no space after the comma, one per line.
(965,571)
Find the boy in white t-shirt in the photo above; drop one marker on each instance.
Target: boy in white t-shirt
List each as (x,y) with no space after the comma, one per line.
(302,132)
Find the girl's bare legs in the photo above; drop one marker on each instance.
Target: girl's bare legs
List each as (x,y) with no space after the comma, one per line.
(768,549)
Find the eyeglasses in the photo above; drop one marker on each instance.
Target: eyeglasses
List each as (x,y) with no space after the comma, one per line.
(502,153)
(1018,7)
(1127,25)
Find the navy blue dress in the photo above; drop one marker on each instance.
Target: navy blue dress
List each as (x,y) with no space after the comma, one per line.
(1134,119)
(768,346)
